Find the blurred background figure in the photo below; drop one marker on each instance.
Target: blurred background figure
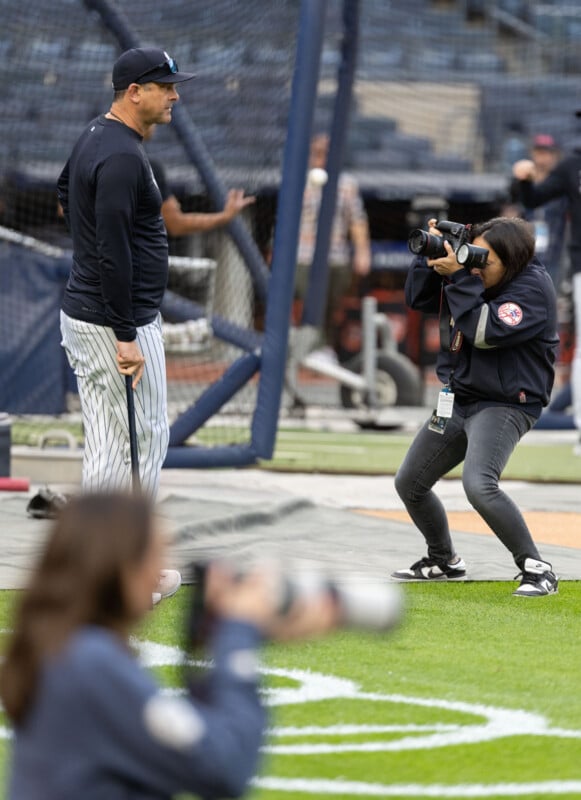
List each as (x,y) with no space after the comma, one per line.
(183,223)
(349,250)
(514,145)
(89,721)
(549,219)
(561,183)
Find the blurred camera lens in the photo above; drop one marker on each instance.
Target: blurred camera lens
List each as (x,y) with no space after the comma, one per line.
(363,603)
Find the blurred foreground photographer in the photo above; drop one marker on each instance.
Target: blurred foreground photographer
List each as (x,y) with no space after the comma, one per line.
(89,721)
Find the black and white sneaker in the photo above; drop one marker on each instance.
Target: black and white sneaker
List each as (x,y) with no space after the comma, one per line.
(427,569)
(538,579)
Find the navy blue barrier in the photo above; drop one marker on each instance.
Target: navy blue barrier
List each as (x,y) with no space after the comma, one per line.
(280,290)
(179,309)
(215,396)
(34,372)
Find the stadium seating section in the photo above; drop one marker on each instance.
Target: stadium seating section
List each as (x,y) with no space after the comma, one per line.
(522,57)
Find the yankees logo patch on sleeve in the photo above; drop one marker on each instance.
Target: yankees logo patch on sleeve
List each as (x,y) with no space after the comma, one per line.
(510,313)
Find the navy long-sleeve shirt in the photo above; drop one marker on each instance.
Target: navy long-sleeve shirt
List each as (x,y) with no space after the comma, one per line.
(503,341)
(100,729)
(111,204)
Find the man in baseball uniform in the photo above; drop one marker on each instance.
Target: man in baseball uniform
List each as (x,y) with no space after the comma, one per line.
(110,320)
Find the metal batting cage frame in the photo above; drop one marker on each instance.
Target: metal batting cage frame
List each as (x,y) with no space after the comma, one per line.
(264,354)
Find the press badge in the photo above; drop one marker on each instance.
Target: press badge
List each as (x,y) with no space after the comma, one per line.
(445,403)
(437,424)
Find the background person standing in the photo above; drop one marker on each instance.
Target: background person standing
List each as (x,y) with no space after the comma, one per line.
(549,220)
(564,181)
(110,320)
(349,249)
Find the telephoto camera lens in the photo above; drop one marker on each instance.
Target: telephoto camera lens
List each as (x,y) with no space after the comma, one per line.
(426,244)
(364,603)
(472,257)
(372,606)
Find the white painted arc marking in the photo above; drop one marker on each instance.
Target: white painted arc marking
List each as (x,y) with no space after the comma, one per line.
(355,788)
(485,723)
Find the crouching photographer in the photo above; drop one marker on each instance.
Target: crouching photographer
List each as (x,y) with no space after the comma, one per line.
(498,341)
(89,721)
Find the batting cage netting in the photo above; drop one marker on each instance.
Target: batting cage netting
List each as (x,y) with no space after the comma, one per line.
(427,103)
(59,57)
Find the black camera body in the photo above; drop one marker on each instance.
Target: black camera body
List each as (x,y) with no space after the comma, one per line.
(422,243)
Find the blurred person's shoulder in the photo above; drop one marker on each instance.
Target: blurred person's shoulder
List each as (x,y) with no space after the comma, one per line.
(98,661)
(568,159)
(95,645)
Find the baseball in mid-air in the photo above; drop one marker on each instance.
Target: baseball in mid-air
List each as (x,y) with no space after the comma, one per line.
(318,176)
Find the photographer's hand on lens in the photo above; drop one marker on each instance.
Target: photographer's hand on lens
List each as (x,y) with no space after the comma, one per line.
(254,597)
(447,265)
(306,619)
(246,598)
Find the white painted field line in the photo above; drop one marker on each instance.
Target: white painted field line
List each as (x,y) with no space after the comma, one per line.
(371,438)
(346,730)
(359,789)
(333,448)
(292,454)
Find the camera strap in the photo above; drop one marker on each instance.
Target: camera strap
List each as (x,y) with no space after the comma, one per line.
(444,320)
(447,344)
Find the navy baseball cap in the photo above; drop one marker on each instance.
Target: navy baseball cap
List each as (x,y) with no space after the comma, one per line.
(146,65)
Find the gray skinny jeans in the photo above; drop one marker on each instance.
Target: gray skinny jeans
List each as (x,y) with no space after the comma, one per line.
(484,439)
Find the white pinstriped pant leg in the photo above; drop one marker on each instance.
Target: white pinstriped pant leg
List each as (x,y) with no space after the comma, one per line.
(92,352)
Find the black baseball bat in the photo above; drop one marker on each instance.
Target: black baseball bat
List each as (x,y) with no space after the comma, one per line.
(136,481)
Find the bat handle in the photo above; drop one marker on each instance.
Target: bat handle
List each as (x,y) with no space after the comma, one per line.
(135,479)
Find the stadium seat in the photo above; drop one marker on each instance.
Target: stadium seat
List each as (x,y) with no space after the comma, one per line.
(478,62)
(245,85)
(444,163)
(431,60)
(414,145)
(382,159)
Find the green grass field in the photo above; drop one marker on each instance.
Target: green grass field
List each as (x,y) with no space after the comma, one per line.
(476,695)
(363,452)
(378,453)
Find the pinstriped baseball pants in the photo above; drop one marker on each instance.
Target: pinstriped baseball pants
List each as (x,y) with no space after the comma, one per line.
(91,351)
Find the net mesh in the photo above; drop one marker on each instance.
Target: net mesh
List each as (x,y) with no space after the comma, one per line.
(60,57)
(447,96)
